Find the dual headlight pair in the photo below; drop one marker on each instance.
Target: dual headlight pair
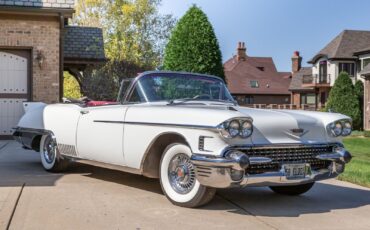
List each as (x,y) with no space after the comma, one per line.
(236,127)
(341,127)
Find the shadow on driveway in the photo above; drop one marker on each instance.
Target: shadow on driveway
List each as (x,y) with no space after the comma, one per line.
(18,167)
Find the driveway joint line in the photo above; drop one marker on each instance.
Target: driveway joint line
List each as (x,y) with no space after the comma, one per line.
(248,212)
(15,206)
(3,146)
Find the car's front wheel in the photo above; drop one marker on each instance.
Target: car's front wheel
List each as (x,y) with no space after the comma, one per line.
(292,190)
(178,181)
(50,159)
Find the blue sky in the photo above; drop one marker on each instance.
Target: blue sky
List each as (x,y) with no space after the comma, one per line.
(276,28)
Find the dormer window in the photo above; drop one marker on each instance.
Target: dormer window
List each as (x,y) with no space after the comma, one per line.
(254,84)
(261,68)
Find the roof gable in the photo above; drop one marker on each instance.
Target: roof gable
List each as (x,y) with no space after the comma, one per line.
(83,43)
(345,45)
(239,74)
(297,79)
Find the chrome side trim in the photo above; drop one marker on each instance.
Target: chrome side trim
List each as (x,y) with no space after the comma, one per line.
(159,124)
(106,165)
(106,121)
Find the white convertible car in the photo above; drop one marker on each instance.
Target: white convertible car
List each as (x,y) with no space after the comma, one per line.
(187,130)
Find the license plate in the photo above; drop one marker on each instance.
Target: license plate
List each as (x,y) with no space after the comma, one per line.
(295,171)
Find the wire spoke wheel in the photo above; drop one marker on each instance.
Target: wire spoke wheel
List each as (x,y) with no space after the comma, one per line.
(181,173)
(49,150)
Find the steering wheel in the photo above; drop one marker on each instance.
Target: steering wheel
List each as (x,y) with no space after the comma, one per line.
(202,96)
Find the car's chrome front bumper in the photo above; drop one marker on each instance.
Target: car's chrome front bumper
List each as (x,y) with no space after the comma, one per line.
(224,172)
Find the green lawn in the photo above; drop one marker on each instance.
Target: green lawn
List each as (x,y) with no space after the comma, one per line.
(358,170)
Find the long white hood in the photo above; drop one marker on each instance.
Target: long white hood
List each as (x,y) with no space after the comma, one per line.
(280,126)
(270,126)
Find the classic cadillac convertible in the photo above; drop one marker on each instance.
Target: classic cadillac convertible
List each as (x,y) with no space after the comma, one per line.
(187,130)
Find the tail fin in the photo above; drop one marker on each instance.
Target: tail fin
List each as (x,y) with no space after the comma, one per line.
(27,106)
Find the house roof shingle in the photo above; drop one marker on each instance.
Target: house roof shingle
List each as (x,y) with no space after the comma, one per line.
(345,45)
(65,4)
(297,79)
(84,43)
(240,73)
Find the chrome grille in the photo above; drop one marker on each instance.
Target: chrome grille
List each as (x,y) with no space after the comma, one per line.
(286,155)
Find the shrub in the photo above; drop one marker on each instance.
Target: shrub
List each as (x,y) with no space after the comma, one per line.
(343,99)
(367,133)
(193,46)
(359,91)
(71,86)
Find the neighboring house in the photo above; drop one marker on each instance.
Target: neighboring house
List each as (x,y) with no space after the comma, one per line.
(255,80)
(365,73)
(36,46)
(301,94)
(349,52)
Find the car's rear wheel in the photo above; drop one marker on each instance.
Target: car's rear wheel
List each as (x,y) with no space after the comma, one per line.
(178,181)
(292,190)
(50,159)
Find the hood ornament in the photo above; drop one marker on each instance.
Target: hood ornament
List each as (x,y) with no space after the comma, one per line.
(297,133)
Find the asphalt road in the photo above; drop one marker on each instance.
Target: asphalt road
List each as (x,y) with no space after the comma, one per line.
(88,197)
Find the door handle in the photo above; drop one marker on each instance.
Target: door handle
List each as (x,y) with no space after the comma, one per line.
(83,112)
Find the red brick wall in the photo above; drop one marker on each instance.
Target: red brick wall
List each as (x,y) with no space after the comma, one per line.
(36,33)
(296,98)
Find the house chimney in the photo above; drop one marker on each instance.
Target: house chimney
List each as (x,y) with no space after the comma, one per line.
(296,62)
(241,51)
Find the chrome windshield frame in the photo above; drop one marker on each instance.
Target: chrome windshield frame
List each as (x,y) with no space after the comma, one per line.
(136,81)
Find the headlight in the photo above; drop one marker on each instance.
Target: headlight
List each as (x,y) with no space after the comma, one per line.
(236,127)
(336,129)
(246,129)
(347,128)
(341,127)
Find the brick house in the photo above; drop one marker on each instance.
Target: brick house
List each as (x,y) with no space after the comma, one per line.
(36,46)
(349,52)
(255,80)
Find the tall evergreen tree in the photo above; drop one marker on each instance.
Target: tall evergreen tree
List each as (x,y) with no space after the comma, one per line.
(343,99)
(193,46)
(359,91)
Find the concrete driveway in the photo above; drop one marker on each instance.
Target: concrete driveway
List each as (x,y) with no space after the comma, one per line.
(88,197)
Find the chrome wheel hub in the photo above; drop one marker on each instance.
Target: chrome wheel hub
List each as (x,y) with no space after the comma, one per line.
(181,173)
(49,150)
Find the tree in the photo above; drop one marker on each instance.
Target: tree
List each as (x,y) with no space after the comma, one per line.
(343,99)
(193,46)
(134,31)
(103,82)
(359,91)
(71,86)
(135,35)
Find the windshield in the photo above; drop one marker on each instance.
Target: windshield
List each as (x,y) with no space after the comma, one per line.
(170,87)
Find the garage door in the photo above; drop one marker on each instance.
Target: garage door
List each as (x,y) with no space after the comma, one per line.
(13,90)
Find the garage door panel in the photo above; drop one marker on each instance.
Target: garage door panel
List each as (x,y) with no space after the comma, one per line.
(13,90)
(10,113)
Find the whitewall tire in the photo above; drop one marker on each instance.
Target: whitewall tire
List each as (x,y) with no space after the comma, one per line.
(178,180)
(50,159)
